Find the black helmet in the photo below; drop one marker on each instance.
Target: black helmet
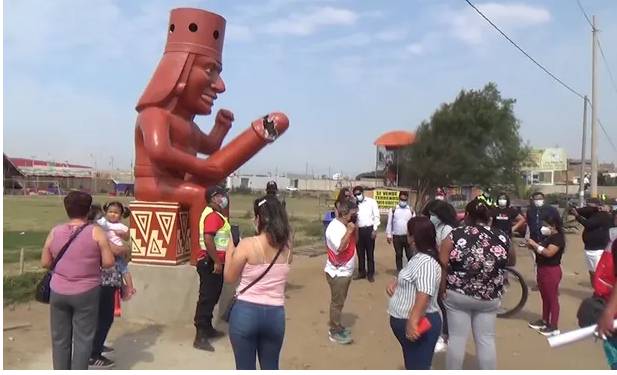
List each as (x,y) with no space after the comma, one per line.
(271,187)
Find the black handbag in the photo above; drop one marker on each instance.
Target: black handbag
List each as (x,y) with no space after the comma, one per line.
(227,313)
(43,290)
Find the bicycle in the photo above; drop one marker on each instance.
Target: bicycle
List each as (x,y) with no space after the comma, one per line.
(515,293)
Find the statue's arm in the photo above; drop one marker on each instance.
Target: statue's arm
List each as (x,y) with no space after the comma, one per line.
(212,142)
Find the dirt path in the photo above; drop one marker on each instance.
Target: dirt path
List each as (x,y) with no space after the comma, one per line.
(306,342)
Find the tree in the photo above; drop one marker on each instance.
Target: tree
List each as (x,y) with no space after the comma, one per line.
(473,140)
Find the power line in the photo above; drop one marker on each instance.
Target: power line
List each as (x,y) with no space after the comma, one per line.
(608,68)
(607,136)
(584,13)
(525,53)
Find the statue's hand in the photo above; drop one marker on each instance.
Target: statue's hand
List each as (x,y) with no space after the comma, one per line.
(224,118)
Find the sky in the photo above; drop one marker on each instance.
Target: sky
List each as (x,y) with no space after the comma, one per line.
(344,72)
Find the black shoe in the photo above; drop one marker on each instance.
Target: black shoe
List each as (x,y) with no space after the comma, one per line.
(537,324)
(371,279)
(201,341)
(212,333)
(107,349)
(549,331)
(100,363)
(359,277)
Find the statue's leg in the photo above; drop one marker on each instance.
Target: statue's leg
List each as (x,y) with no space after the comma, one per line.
(186,193)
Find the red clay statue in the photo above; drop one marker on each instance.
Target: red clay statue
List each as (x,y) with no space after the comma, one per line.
(185,84)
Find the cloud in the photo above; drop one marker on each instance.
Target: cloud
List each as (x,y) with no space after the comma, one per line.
(310,22)
(238,33)
(415,49)
(471,28)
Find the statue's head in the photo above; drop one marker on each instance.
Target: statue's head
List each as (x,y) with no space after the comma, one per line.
(188,75)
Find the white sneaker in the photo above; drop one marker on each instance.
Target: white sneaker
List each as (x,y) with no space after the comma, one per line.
(441,345)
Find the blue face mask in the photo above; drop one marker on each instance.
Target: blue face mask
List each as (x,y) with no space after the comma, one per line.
(224,202)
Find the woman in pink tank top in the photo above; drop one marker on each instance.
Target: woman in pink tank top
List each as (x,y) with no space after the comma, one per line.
(75,283)
(257,319)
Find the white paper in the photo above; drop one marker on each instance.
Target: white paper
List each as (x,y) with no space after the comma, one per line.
(573,336)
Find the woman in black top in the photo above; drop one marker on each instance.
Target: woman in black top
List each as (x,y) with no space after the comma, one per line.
(548,261)
(505,217)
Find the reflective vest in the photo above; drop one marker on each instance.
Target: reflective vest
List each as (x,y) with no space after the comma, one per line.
(222,236)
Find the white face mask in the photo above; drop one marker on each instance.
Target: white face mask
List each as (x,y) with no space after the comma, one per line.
(359,197)
(502,202)
(224,202)
(545,231)
(539,202)
(440,197)
(435,220)
(402,204)
(612,233)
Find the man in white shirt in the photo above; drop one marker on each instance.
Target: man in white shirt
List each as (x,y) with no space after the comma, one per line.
(341,243)
(396,230)
(368,223)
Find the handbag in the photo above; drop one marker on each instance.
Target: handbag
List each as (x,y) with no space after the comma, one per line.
(43,290)
(226,315)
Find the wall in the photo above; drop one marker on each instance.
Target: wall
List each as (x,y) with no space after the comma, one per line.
(258,183)
(611,191)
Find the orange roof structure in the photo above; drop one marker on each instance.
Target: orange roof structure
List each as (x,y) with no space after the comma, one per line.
(395,139)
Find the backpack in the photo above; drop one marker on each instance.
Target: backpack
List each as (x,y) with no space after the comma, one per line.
(604,277)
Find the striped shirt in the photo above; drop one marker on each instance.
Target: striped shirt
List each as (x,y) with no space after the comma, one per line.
(421,274)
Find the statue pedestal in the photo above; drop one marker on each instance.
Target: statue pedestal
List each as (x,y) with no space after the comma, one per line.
(168,295)
(159,233)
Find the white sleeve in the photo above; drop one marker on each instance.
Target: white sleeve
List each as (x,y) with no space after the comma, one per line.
(376,216)
(103,223)
(389,225)
(334,236)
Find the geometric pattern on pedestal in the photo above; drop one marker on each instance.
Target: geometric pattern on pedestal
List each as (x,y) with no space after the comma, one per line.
(143,219)
(166,223)
(156,248)
(136,247)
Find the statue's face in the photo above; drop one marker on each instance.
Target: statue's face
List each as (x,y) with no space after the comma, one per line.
(203,84)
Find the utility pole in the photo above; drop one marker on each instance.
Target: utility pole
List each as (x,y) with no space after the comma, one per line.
(581,182)
(594,111)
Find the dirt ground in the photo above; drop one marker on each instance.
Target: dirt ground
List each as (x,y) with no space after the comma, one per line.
(306,342)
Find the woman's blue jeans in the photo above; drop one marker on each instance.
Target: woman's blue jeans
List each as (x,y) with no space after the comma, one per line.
(256,331)
(418,355)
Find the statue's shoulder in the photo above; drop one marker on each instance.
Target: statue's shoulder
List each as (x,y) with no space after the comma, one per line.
(153,115)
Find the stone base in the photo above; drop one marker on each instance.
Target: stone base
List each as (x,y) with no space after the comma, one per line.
(167,295)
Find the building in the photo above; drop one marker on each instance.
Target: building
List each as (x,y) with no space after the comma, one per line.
(547,166)
(48,177)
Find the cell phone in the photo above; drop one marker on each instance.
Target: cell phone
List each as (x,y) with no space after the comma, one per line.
(424,326)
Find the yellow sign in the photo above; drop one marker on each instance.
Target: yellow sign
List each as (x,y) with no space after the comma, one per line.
(386,199)
(549,159)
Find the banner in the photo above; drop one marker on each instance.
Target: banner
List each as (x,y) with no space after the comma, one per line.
(386,199)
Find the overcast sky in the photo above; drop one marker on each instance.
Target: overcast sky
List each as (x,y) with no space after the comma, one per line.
(343,71)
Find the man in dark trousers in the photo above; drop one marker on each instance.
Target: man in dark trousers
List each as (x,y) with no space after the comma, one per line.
(396,230)
(368,223)
(214,235)
(597,221)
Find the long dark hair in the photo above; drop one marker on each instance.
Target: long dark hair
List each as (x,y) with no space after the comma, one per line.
(443,210)
(423,233)
(272,220)
(342,194)
(477,211)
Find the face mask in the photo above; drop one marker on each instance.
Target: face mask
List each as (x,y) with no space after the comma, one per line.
(359,197)
(402,204)
(614,208)
(612,234)
(502,202)
(545,231)
(435,220)
(440,197)
(539,202)
(224,202)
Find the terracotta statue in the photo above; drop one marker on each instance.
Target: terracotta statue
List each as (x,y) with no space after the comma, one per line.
(185,84)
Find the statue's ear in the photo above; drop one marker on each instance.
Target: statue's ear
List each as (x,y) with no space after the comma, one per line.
(180,88)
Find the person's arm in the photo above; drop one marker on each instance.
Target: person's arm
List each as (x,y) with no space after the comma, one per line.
(235,259)
(415,314)
(549,251)
(519,223)
(347,237)
(107,257)
(445,249)
(376,219)
(391,287)
(46,258)
(605,323)
(211,250)
(389,226)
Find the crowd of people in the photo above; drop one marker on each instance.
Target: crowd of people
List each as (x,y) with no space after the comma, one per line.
(450,285)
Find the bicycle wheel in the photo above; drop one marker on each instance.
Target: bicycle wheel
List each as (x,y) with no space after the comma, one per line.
(514,295)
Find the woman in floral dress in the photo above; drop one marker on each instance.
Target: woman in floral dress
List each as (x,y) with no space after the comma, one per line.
(475,256)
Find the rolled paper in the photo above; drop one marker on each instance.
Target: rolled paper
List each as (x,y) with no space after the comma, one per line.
(574,336)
